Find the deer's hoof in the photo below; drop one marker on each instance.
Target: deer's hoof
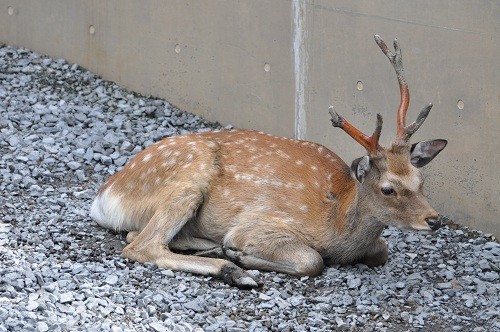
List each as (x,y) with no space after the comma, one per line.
(238,277)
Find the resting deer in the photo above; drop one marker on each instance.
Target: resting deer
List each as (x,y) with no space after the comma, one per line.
(245,199)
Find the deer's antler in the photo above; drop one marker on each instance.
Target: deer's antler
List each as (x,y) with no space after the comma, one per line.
(369,143)
(403,132)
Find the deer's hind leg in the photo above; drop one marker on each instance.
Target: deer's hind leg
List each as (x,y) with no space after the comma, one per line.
(271,248)
(197,246)
(149,245)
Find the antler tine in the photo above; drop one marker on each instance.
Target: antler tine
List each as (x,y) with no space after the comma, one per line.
(396,60)
(369,143)
(413,127)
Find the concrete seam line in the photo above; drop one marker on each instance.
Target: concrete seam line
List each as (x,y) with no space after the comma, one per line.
(300,65)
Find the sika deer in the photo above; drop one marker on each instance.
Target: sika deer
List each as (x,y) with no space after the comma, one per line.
(269,203)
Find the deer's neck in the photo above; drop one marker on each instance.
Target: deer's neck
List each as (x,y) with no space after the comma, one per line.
(361,221)
(361,231)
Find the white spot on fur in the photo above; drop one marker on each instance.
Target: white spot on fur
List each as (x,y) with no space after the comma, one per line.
(169,162)
(226,193)
(254,157)
(304,208)
(299,162)
(157,180)
(251,148)
(259,180)
(162,146)
(292,185)
(172,143)
(314,168)
(282,154)
(211,144)
(132,165)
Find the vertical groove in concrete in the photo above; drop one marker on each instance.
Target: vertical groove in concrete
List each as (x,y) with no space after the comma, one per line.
(300,66)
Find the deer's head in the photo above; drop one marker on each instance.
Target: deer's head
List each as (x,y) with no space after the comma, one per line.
(391,185)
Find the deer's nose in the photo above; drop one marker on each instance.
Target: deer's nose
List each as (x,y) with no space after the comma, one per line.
(433,222)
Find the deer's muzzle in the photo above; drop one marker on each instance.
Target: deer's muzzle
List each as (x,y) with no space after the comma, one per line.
(433,222)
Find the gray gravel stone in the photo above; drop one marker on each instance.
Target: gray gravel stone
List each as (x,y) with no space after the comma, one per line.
(42,326)
(490,276)
(74,165)
(112,279)
(32,305)
(354,283)
(14,141)
(66,297)
(193,305)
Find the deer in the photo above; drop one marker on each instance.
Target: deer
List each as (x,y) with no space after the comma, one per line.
(223,202)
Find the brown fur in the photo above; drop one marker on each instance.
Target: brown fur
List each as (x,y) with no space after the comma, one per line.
(272,203)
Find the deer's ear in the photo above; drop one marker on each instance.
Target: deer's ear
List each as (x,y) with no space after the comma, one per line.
(423,152)
(360,168)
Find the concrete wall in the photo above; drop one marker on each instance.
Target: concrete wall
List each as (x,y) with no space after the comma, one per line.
(276,65)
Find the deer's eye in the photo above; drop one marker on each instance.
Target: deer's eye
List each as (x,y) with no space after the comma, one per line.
(388,191)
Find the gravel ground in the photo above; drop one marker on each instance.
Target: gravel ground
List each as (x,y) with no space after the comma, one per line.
(63,131)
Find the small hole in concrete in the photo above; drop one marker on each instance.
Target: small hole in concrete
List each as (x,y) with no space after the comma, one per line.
(267,67)
(10,10)
(460,104)
(91,29)
(359,85)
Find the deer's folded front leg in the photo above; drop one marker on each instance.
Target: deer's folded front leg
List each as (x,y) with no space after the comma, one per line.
(149,246)
(262,242)
(377,255)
